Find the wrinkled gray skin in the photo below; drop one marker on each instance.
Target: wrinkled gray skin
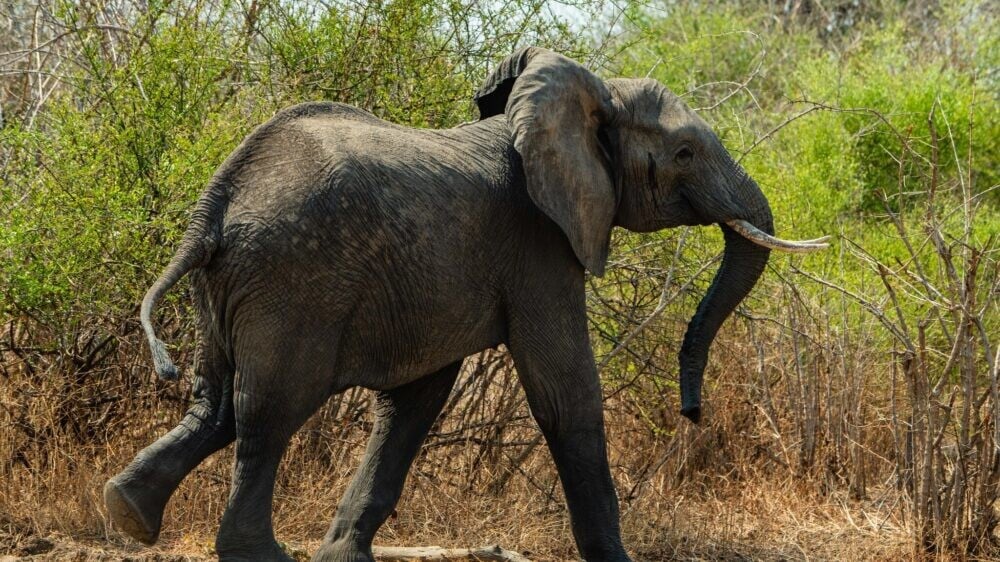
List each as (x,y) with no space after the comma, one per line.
(334,250)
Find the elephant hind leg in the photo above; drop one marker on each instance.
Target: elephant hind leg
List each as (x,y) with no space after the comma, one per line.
(136,497)
(404,416)
(246,532)
(276,390)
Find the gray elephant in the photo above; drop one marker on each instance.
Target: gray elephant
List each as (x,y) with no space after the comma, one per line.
(333,250)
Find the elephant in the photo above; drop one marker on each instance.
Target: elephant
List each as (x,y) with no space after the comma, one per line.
(333,250)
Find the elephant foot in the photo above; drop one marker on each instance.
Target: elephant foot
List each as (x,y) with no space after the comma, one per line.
(614,556)
(132,511)
(245,553)
(343,551)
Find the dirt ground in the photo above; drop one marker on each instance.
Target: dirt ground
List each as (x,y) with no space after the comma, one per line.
(734,535)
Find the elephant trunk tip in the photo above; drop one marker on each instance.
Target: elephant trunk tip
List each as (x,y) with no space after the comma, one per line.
(692,413)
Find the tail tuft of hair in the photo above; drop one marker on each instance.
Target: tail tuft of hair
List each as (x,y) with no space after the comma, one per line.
(165,368)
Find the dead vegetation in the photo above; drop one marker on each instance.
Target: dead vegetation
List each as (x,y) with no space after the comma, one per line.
(853,409)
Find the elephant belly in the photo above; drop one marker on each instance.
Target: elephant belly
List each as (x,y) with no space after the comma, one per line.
(378,323)
(379,337)
(396,338)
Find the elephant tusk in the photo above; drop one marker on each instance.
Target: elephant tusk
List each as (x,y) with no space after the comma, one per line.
(758,236)
(820,240)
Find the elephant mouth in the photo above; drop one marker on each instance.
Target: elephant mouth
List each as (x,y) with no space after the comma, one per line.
(761,238)
(673,209)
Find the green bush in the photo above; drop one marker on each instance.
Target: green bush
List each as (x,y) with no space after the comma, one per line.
(98,186)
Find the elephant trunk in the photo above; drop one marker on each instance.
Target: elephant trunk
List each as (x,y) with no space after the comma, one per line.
(742,264)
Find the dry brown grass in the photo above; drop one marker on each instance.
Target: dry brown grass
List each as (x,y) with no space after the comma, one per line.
(716,492)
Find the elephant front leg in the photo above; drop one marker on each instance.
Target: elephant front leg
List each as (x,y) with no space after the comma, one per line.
(556,367)
(581,460)
(404,416)
(568,411)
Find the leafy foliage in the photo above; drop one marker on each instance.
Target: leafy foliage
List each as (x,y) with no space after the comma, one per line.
(100,174)
(875,122)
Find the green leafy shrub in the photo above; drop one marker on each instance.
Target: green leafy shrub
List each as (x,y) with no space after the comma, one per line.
(97,189)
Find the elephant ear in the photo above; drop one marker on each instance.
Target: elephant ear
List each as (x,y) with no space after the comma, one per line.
(555,108)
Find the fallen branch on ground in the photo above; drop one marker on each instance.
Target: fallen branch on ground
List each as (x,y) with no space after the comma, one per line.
(423,553)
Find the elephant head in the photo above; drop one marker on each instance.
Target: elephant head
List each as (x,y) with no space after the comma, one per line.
(630,153)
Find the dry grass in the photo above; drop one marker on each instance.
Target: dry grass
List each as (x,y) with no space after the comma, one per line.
(687,492)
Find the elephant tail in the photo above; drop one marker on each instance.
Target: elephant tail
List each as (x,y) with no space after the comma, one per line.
(196,249)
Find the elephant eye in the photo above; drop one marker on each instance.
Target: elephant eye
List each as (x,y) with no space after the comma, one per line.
(684,156)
